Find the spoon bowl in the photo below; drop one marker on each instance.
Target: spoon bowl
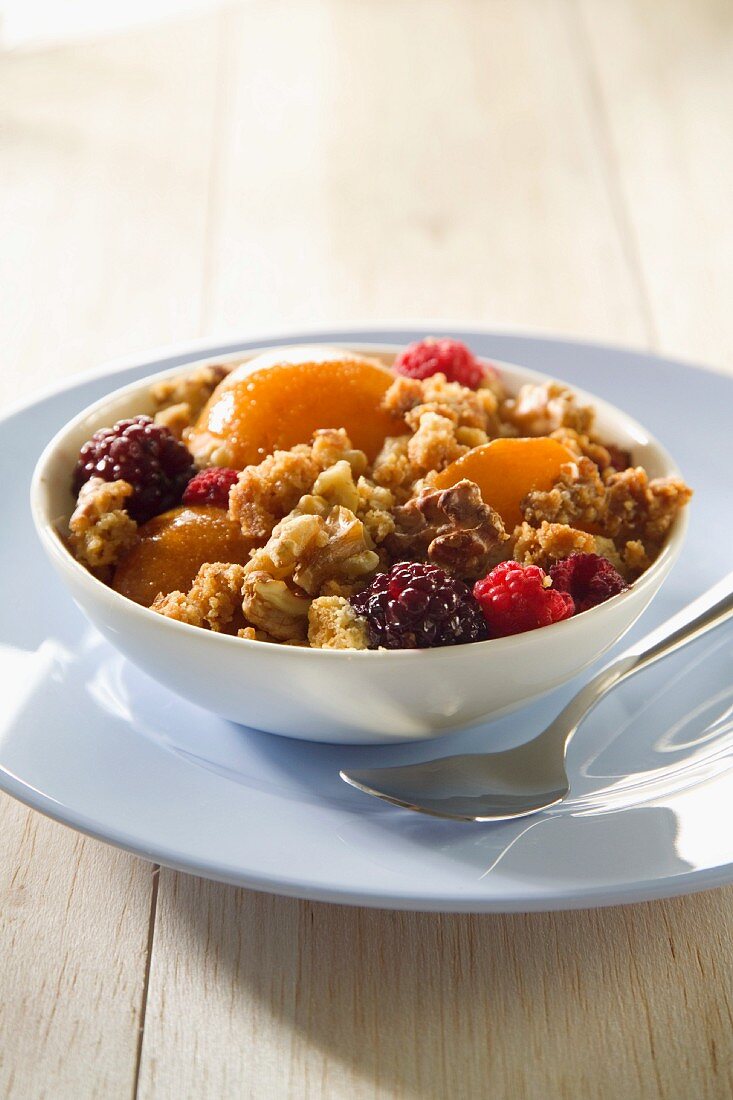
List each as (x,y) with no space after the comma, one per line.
(524,780)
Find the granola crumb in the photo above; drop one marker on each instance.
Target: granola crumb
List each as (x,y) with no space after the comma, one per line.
(176,418)
(267,492)
(334,624)
(214,599)
(550,542)
(100,530)
(191,389)
(578,498)
(542,408)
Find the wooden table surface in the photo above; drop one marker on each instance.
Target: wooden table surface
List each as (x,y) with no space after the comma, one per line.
(562,164)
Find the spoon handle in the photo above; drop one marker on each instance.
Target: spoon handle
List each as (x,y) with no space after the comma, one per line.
(709,610)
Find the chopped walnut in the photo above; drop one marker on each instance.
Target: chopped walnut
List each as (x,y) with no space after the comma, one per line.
(542,408)
(578,498)
(307,551)
(333,624)
(452,528)
(100,530)
(273,607)
(336,486)
(345,555)
(214,599)
(267,492)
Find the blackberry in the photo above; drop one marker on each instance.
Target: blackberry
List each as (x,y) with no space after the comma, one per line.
(418,606)
(143,453)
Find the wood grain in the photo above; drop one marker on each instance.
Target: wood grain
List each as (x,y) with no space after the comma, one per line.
(665,98)
(377,162)
(269,997)
(104,163)
(556,163)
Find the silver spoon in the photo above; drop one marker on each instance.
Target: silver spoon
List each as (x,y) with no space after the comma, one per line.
(520,781)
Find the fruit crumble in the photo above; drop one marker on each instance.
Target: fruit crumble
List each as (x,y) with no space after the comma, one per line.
(323,498)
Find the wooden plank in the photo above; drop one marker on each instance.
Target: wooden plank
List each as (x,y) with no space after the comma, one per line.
(270,998)
(377,162)
(664,80)
(106,151)
(104,163)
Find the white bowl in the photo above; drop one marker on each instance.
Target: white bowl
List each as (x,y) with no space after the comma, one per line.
(342,696)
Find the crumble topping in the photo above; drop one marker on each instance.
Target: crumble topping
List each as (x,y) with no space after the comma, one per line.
(180,399)
(323,521)
(214,599)
(100,530)
(542,408)
(412,398)
(452,528)
(266,493)
(578,498)
(333,624)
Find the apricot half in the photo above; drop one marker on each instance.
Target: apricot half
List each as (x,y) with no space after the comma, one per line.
(172,547)
(281,398)
(505,470)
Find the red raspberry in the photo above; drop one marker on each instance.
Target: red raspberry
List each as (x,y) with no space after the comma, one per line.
(211,486)
(143,453)
(515,598)
(588,578)
(418,606)
(449,357)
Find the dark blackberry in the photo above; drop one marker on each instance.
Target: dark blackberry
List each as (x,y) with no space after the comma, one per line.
(418,606)
(142,453)
(589,578)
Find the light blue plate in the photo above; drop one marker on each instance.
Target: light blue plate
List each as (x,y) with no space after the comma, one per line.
(91,741)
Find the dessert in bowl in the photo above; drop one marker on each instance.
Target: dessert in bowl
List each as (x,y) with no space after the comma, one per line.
(359,545)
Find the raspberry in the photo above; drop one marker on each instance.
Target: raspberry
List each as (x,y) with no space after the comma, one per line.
(588,578)
(449,357)
(142,453)
(418,606)
(211,486)
(515,598)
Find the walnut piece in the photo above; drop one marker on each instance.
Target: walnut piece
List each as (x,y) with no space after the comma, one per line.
(273,607)
(305,551)
(214,599)
(452,528)
(333,624)
(100,530)
(542,408)
(267,492)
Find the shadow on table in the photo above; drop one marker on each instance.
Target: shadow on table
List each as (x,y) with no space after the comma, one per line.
(414,1005)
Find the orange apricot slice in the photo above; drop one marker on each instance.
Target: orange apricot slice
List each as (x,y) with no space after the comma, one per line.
(505,470)
(172,547)
(281,398)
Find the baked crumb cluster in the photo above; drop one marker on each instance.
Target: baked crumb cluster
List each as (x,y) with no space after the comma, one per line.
(322,525)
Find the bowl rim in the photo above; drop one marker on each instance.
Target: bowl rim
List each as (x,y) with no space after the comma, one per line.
(55,547)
